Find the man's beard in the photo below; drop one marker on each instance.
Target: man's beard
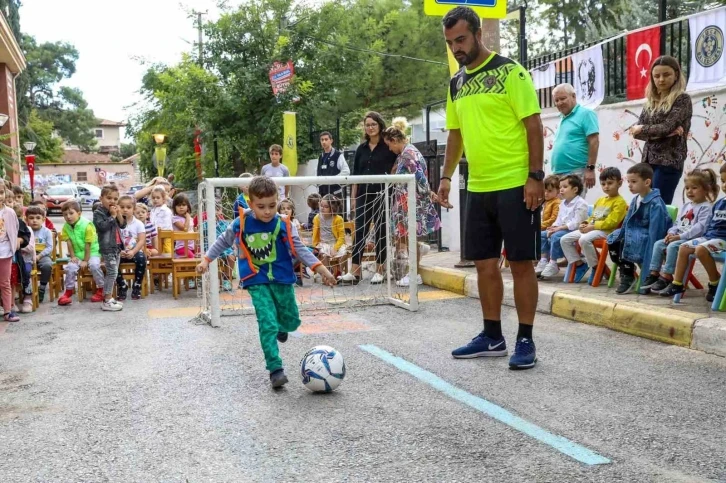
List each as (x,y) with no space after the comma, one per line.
(470,56)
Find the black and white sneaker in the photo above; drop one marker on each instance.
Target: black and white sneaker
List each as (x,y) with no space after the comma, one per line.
(627,284)
(648,284)
(278,378)
(711,292)
(671,290)
(659,286)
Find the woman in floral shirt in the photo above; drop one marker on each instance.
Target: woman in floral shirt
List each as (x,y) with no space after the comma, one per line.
(410,161)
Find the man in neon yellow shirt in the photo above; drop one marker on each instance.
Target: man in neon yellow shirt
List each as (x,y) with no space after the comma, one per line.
(493,115)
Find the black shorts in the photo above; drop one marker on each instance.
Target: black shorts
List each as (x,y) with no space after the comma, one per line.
(501,216)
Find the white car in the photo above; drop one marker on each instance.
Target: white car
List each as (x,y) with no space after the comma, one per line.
(89,193)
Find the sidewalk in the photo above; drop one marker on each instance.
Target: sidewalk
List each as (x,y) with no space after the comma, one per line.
(690,323)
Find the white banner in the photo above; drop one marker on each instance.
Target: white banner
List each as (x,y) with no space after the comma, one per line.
(708,62)
(543,76)
(589,77)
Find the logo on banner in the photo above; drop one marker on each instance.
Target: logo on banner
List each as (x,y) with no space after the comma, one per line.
(586,77)
(709,46)
(646,64)
(290,142)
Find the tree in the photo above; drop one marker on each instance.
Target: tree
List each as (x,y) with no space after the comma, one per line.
(50,63)
(127,150)
(48,149)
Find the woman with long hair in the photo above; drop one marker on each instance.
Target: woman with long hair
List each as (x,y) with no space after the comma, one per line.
(367,200)
(664,125)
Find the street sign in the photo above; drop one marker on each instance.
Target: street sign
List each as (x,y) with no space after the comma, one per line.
(484,8)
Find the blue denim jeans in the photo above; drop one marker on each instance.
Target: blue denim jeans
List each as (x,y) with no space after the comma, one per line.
(666,179)
(551,246)
(669,252)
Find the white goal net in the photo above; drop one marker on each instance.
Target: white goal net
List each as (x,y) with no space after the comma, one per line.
(376,263)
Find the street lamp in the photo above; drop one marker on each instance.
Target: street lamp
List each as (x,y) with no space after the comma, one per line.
(160,153)
(30,162)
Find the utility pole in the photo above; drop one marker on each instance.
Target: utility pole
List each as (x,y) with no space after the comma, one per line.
(200,44)
(197,144)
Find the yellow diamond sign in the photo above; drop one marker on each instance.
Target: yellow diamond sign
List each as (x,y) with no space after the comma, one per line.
(484,8)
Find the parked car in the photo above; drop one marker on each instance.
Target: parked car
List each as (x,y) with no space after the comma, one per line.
(89,193)
(134,189)
(56,195)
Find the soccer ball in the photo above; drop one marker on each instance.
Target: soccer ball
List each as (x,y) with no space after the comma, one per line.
(322,369)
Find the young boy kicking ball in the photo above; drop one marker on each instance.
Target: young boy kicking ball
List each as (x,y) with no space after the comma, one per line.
(267,245)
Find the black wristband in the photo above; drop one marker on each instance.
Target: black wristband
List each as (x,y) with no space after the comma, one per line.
(446,177)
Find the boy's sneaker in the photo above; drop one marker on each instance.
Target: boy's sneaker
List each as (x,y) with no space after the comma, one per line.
(406,281)
(98,296)
(278,378)
(540,266)
(282,337)
(121,293)
(711,292)
(648,284)
(481,346)
(136,294)
(11,317)
(627,284)
(349,279)
(551,269)
(66,298)
(377,279)
(659,285)
(672,290)
(525,355)
(27,307)
(580,272)
(111,306)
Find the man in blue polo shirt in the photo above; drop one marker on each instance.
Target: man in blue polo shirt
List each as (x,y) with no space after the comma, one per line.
(577,140)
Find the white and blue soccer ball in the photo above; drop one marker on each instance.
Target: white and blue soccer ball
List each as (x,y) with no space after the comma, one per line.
(322,369)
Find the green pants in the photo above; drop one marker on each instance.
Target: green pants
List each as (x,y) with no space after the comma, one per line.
(276,310)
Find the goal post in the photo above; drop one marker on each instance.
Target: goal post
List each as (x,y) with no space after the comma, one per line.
(220,294)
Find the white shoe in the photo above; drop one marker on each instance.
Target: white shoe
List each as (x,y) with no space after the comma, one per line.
(111,306)
(349,279)
(377,279)
(424,249)
(405,281)
(540,266)
(317,278)
(551,269)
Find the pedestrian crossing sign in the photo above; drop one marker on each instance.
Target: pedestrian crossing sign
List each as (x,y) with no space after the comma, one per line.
(484,8)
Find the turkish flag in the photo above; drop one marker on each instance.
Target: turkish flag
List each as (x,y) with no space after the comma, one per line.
(643,48)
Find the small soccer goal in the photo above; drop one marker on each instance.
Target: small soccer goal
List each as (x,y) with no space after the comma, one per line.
(381,246)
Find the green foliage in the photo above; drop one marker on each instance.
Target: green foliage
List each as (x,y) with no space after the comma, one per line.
(231,98)
(48,149)
(127,150)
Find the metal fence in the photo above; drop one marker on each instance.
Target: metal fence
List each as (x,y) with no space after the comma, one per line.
(675,41)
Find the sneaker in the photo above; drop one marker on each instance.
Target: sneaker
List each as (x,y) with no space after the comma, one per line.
(136,294)
(66,298)
(711,292)
(659,285)
(627,284)
(648,284)
(307,273)
(298,281)
(227,286)
(580,272)
(111,306)
(98,296)
(672,290)
(120,293)
(525,355)
(481,346)
(278,378)
(349,279)
(27,307)
(424,249)
(377,279)
(282,337)
(405,281)
(540,266)
(551,270)
(41,294)
(11,317)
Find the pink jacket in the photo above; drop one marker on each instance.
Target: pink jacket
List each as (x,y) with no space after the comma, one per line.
(11,226)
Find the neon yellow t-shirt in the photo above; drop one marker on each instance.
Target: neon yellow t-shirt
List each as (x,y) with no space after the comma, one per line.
(488,105)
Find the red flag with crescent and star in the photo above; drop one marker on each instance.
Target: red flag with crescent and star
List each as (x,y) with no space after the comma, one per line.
(643,48)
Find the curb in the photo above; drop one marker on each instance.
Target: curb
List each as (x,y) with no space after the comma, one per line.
(656,323)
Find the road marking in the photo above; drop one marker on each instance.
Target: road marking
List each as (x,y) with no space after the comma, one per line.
(561,444)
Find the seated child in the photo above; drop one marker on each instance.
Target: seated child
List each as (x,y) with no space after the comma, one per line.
(607,214)
(647,220)
(329,231)
(141,213)
(551,207)
(80,235)
(701,191)
(314,205)
(269,279)
(35,216)
(242,200)
(713,241)
(182,221)
(573,211)
(23,265)
(133,238)
(161,216)
(287,208)
(48,224)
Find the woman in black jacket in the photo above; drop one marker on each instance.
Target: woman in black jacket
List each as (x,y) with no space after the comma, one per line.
(367,200)
(664,125)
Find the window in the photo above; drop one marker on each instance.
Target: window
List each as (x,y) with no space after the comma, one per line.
(99,133)
(82,176)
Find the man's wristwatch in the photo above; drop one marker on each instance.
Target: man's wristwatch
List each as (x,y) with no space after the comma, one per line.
(538,175)
(591,167)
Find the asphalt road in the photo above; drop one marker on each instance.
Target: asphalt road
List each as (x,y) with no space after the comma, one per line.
(132,396)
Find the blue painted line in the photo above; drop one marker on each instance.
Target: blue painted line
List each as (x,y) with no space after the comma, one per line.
(563,445)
